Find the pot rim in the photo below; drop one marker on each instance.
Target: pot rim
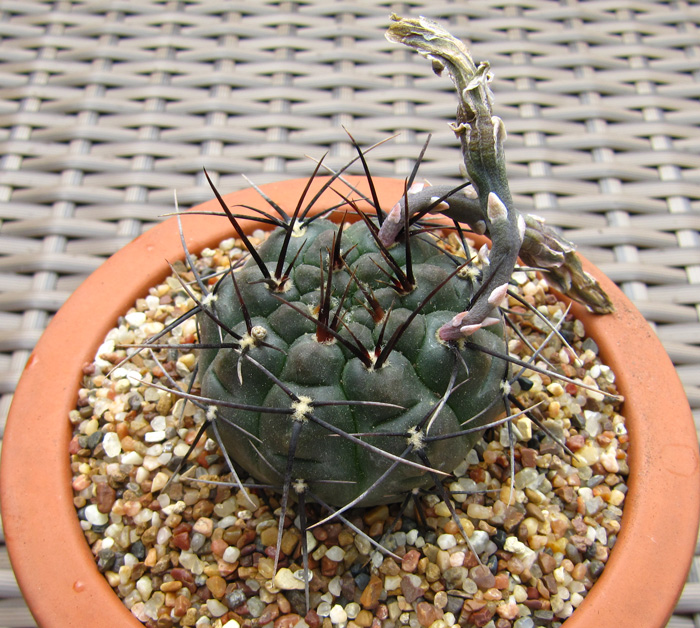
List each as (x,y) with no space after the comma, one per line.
(55,567)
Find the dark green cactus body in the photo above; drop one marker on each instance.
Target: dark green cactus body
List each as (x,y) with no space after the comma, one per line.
(415,377)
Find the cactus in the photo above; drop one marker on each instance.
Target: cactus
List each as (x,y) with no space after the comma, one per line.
(355,364)
(337,336)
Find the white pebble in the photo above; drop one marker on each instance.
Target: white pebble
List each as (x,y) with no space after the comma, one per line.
(361,543)
(159,481)
(286,580)
(119,373)
(461,469)
(94,516)
(522,551)
(589,454)
(523,428)
(181,449)
(562,576)
(153,328)
(593,419)
(216,608)
(457,493)
(141,475)
(111,444)
(144,586)
(457,559)
(143,516)
(231,623)
(609,461)
(519,593)
(226,522)
(392,582)
(134,378)
(338,615)
(231,554)
(335,554)
(151,463)
(135,319)
(352,610)
(154,437)
(163,535)
(334,587)
(446,541)
(131,457)
(174,509)
(190,560)
(158,423)
(152,302)
(478,540)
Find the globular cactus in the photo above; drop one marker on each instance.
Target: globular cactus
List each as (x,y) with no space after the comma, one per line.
(336,375)
(360,362)
(355,364)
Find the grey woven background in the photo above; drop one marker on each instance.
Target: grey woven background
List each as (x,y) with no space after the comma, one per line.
(107,107)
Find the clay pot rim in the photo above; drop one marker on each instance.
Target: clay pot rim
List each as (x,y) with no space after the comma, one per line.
(53,563)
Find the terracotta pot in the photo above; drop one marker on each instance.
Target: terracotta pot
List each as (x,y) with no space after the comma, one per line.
(53,563)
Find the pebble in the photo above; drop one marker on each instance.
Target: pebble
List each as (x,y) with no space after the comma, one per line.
(479,540)
(204,525)
(426,613)
(111,444)
(216,608)
(135,319)
(477,511)
(255,606)
(482,577)
(370,596)
(105,496)
(392,583)
(335,554)
(410,560)
(334,587)
(440,600)
(231,554)
(338,614)
(217,586)
(411,589)
(95,516)
(286,580)
(446,541)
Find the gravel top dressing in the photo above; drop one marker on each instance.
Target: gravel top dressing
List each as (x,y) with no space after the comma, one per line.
(180,551)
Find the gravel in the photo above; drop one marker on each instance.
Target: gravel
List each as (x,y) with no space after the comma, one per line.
(186,553)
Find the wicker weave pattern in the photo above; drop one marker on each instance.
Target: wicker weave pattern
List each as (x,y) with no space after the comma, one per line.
(107,107)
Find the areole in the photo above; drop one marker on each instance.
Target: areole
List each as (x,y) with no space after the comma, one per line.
(56,569)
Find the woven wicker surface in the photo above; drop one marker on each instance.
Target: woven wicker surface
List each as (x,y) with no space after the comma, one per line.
(107,107)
